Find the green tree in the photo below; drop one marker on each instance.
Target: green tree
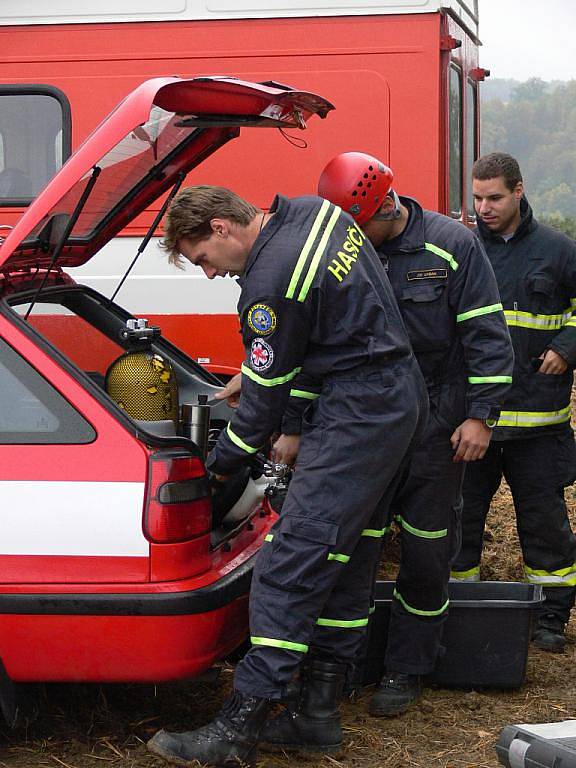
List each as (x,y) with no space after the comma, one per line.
(566,224)
(535,122)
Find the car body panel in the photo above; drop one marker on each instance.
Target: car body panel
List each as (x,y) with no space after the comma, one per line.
(86,591)
(72,512)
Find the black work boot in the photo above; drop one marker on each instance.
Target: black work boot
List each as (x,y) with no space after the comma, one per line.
(396,693)
(313,723)
(549,633)
(229,741)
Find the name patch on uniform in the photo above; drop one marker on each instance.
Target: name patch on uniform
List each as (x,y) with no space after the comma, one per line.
(261,355)
(427,274)
(262,319)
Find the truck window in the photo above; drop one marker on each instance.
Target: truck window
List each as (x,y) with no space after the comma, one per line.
(33,412)
(471,141)
(35,135)
(455,141)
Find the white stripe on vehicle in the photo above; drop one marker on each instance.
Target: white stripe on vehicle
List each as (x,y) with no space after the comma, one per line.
(72,518)
(155,287)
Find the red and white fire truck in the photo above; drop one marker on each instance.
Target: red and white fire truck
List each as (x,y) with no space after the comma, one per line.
(402,75)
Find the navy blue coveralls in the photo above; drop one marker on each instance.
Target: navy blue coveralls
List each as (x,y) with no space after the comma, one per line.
(449,301)
(533,442)
(450,304)
(315,300)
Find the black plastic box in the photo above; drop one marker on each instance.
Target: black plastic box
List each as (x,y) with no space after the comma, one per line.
(486,634)
(541,745)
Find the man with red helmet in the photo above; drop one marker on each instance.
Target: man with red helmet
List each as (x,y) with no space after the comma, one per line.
(449,301)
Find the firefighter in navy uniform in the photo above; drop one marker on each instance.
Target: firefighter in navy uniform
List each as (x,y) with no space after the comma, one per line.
(314,299)
(449,301)
(533,442)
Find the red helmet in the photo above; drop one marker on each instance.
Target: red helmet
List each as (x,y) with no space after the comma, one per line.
(357,182)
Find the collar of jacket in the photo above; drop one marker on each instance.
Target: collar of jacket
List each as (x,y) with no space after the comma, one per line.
(412,238)
(279,207)
(527,224)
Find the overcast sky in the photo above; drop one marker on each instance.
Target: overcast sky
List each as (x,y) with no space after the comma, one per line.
(528,38)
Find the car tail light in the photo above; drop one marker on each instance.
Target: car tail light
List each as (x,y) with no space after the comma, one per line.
(178,502)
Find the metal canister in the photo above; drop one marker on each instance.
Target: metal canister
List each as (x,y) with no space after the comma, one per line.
(195,422)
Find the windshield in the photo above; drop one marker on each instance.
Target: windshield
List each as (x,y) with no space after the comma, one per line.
(144,149)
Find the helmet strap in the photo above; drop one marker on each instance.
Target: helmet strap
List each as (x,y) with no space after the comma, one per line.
(391,215)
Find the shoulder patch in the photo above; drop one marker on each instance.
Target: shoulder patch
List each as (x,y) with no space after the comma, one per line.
(261,355)
(262,319)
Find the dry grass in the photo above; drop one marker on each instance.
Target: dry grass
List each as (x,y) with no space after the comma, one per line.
(82,726)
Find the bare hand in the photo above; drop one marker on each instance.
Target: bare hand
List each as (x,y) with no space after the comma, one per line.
(470,440)
(285,449)
(552,362)
(217,481)
(231,391)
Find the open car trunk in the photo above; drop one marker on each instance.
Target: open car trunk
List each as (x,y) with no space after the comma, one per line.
(97,327)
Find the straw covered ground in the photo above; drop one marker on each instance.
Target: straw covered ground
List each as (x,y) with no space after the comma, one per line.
(81,726)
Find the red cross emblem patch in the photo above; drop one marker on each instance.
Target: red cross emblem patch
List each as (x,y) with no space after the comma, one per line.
(261,355)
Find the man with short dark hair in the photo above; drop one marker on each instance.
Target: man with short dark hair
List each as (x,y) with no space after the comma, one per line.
(533,444)
(313,576)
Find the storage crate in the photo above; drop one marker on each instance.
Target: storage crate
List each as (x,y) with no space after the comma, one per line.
(540,745)
(486,634)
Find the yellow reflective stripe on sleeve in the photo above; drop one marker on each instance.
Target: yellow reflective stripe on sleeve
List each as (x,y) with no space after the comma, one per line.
(375,533)
(563,577)
(440,534)
(443,254)
(490,379)
(269,537)
(268,382)
(289,646)
(312,235)
(339,557)
(533,418)
(342,623)
(312,269)
(239,442)
(471,575)
(304,394)
(516,318)
(478,312)
(573,303)
(571,323)
(418,611)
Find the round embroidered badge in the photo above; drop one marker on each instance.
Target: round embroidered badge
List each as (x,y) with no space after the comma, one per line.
(261,355)
(262,319)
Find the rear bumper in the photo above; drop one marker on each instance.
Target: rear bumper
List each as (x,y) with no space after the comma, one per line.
(123,638)
(188,603)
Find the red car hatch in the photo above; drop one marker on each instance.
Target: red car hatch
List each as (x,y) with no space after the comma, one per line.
(155,136)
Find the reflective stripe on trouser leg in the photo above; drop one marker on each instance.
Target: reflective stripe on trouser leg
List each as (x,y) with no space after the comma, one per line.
(537,471)
(470,576)
(324,512)
(428,511)
(343,639)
